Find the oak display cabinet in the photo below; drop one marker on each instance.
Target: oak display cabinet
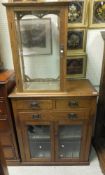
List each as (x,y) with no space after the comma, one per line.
(54,116)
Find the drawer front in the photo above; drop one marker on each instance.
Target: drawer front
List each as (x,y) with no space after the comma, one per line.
(54,116)
(4,125)
(6,139)
(71,115)
(34,104)
(72,103)
(9,153)
(34,116)
(3,110)
(2,90)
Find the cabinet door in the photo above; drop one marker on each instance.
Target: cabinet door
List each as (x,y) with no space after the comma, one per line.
(70,140)
(37,140)
(41,42)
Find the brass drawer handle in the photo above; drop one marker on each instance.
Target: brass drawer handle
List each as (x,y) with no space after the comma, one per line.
(36,116)
(34,104)
(73,103)
(72,116)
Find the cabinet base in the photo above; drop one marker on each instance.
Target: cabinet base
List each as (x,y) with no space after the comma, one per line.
(13,162)
(54,163)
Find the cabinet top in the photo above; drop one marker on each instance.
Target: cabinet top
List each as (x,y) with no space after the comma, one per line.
(5,76)
(35,2)
(78,88)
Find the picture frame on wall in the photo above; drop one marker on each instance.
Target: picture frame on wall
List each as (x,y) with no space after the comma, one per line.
(76,41)
(97,14)
(77,13)
(76,66)
(36,36)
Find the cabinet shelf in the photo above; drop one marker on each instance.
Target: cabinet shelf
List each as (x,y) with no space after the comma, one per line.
(69,154)
(41,154)
(67,132)
(69,149)
(40,149)
(39,140)
(39,137)
(69,139)
(38,132)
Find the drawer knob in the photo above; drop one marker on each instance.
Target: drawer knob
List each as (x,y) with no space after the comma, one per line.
(36,116)
(72,116)
(73,103)
(34,104)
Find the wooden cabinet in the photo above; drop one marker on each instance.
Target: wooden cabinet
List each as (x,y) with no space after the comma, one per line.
(54,115)
(55,128)
(7,132)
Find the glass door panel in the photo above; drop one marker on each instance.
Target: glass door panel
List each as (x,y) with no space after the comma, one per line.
(39,49)
(69,141)
(39,138)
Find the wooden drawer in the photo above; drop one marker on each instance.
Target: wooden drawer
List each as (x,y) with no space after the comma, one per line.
(54,116)
(34,104)
(34,116)
(4,125)
(3,109)
(71,115)
(6,139)
(73,103)
(9,153)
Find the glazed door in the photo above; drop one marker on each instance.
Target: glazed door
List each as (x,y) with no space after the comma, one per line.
(41,47)
(38,140)
(70,141)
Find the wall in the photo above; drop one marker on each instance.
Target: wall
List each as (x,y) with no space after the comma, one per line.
(94,49)
(5,47)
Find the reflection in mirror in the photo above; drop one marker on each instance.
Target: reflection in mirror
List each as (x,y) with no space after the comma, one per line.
(39,50)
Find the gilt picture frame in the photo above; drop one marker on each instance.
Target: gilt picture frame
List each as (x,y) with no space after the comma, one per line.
(76,66)
(36,36)
(77,13)
(97,14)
(76,41)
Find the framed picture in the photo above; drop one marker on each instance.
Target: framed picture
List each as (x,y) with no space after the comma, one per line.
(36,36)
(76,66)
(77,13)
(97,14)
(76,40)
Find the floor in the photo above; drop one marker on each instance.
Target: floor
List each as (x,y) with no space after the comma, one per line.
(92,169)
